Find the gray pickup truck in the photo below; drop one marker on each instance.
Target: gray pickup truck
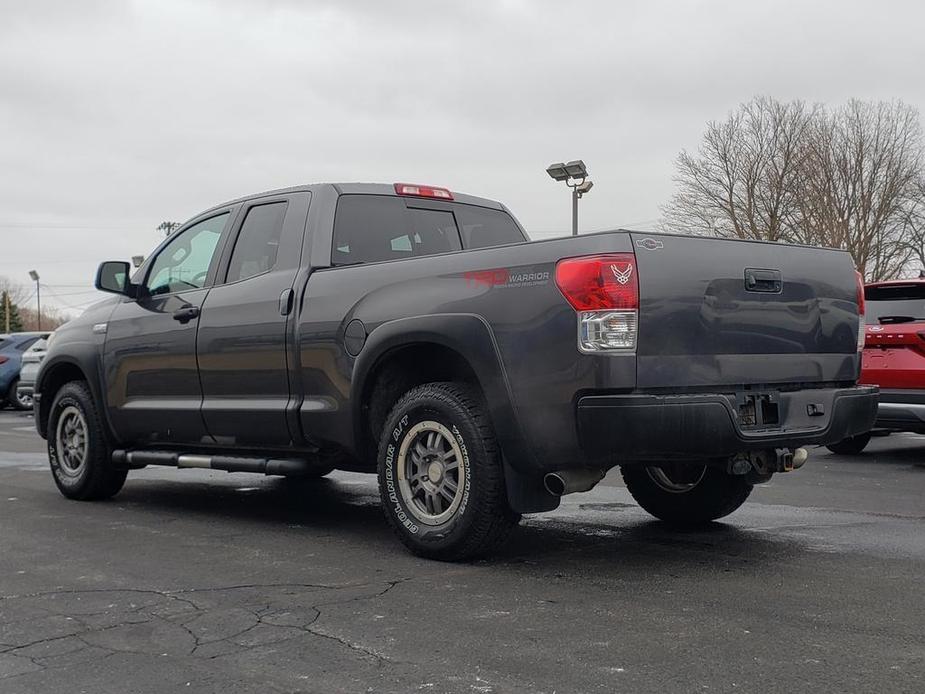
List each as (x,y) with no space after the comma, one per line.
(417,333)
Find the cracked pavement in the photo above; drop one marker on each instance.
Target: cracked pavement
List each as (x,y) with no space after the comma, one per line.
(209,582)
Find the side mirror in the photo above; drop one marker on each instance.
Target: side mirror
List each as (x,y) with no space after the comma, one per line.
(113,277)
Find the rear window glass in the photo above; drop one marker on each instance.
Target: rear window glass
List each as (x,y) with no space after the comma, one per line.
(894,303)
(482,227)
(371,228)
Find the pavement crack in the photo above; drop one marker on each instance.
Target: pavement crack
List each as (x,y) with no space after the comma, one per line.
(364,651)
(284,619)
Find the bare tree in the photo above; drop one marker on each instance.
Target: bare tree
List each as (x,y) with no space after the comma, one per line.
(859,186)
(915,235)
(849,178)
(52,318)
(742,180)
(18,293)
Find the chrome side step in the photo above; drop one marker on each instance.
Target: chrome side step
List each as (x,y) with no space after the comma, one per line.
(286,467)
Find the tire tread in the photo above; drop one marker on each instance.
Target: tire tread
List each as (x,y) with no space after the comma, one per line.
(102,480)
(494,519)
(717,495)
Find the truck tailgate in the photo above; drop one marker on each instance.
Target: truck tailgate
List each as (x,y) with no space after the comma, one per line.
(711,310)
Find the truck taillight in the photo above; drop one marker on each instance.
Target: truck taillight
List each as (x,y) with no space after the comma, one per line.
(3,360)
(862,324)
(604,290)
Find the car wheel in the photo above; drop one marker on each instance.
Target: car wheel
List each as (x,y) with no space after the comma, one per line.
(685,494)
(440,474)
(850,446)
(12,396)
(78,447)
(23,401)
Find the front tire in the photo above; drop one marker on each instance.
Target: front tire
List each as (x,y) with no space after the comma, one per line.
(850,446)
(440,474)
(685,496)
(78,447)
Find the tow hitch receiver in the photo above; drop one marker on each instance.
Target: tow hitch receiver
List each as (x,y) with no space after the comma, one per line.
(760,465)
(784,459)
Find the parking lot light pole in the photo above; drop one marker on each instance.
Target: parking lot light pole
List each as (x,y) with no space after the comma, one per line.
(34,276)
(575,175)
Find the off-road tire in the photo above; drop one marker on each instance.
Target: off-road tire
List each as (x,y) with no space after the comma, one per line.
(483,519)
(715,495)
(96,478)
(850,446)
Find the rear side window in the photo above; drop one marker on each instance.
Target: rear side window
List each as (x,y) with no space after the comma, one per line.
(257,247)
(896,303)
(372,228)
(482,227)
(26,344)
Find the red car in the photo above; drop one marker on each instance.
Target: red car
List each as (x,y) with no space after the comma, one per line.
(894,358)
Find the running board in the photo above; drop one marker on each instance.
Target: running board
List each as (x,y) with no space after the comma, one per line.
(287,467)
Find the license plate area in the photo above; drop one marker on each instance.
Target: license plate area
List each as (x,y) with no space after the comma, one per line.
(758,410)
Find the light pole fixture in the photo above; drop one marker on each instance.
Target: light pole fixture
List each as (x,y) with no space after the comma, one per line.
(575,175)
(34,276)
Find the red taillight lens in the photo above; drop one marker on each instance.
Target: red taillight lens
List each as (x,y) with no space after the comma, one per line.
(604,290)
(861,310)
(599,282)
(3,360)
(423,191)
(861,305)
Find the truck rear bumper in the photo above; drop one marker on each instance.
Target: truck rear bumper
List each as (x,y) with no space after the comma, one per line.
(902,410)
(645,427)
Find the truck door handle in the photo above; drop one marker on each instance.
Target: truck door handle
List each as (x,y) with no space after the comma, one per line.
(185,314)
(759,280)
(285,302)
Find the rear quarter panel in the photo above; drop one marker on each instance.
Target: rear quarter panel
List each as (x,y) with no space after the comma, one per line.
(511,289)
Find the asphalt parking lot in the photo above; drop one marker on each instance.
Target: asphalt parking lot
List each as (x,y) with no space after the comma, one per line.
(207,582)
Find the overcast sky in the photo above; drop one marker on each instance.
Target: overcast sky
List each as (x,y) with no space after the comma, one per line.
(117,115)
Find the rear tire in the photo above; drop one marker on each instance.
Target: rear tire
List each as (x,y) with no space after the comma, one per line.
(850,446)
(79,451)
(440,474)
(693,496)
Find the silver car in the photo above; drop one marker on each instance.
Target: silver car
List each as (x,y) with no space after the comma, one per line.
(31,360)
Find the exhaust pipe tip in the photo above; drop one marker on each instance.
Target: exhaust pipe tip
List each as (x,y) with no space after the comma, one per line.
(554,484)
(565,482)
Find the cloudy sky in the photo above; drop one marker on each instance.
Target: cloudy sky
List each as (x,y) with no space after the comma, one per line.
(117,115)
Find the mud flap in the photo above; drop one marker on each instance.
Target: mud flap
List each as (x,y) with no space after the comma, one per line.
(526,493)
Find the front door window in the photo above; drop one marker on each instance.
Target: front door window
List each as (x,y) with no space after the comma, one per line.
(183,264)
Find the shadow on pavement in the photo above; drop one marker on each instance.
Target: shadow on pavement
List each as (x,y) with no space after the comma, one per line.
(613,537)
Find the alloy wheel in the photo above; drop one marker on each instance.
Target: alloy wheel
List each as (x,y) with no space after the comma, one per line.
(431,469)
